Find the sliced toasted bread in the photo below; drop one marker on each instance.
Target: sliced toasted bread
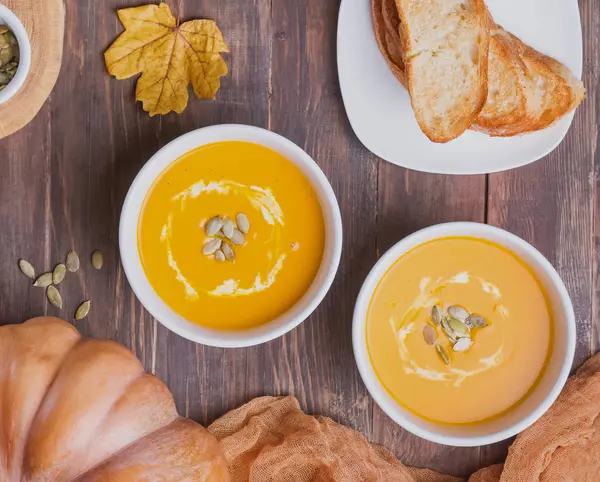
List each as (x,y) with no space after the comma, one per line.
(387,33)
(446,57)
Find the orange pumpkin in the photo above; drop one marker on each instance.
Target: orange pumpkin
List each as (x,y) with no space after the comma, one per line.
(73,408)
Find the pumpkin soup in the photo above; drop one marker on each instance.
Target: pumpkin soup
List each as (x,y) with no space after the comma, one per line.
(459,330)
(231,235)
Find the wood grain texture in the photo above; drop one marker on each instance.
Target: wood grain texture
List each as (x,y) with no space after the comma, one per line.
(65,175)
(44,22)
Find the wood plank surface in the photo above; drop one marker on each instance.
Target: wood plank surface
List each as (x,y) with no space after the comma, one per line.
(64,177)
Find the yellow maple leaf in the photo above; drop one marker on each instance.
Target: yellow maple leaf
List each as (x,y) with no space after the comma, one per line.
(170,56)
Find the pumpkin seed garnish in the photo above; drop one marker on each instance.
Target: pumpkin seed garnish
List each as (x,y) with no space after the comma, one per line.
(436,315)
(83,310)
(59,273)
(458,312)
(448,331)
(72,261)
(243,223)
(458,327)
(54,296)
(238,237)
(211,246)
(463,344)
(97,260)
(228,228)
(228,251)
(477,321)
(43,280)
(213,226)
(429,334)
(27,268)
(443,354)
(219,255)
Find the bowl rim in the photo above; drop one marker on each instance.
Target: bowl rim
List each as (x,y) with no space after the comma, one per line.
(378,391)
(20,32)
(158,308)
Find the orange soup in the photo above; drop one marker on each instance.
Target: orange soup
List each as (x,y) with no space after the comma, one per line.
(459,330)
(231,235)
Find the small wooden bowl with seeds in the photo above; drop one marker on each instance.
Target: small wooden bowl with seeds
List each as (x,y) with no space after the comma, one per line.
(15,54)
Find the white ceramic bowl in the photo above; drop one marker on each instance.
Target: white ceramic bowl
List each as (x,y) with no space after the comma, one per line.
(10,19)
(133,266)
(552,382)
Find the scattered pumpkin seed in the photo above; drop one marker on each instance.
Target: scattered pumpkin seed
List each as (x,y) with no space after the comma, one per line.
(97,260)
(83,310)
(238,237)
(54,296)
(458,312)
(219,255)
(458,327)
(429,334)
(436,315)
(27,268)
(243,223)
(59,273)
(448,331)
(443,354)
(211,246)
(228,252)
(43,280)
(463,344)
(228,228)
(477,321)
(214,225)
(72,261)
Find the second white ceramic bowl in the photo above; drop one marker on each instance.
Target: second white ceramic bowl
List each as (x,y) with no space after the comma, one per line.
(543,395)
(133,266)
(9,18)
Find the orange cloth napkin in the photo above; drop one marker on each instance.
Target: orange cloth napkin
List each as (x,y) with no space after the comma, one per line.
(271,440)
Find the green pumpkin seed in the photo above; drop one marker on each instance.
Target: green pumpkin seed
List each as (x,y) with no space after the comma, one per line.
(43,280)
(72,261)
(59,273)
(458,327)
(97,260)
(443,354)
(477,321)
(436,315)
(448,331)
(27,268)
(83,310)
(54,296)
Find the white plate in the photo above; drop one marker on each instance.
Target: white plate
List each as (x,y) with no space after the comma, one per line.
(379,108)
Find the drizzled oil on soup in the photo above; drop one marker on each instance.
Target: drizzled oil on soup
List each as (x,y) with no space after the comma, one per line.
(459,330)
(268,269)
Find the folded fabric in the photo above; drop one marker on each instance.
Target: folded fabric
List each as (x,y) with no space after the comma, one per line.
(270,439)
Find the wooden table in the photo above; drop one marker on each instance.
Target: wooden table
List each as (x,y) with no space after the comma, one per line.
(64,177)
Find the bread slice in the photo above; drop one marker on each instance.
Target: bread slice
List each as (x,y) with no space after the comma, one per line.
(386,23)
(445,46)
(551,91)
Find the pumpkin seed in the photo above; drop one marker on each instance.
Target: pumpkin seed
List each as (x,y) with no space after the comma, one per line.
(238,237)
(228,252)
(458,327)
(213,226)
(59,273)
(72,261)
(243,223)
(228,228)
(3,29)
(27,268)
(429,334)
(43,280)
(443,354)
(83,310)
(54,296)
(211,246)
(448,331)
(458,312)
(463,344)
(219,255)
(436,315)
(97,260)
(477,321)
